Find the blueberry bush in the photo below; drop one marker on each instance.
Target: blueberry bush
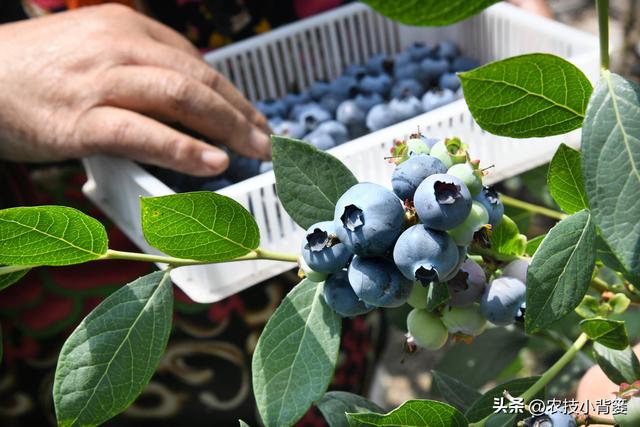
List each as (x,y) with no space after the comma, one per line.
(439,242)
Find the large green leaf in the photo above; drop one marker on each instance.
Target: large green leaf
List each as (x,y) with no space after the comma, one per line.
(49,235)
(309,182)
(610,333)
(295,356)
(527,96)
(611,165)
(484,406)
(560,272)
(457,393)
(203,225)
(621,366)
(9,279)
(506,240)
(335,404)
(428,12)
(485,358)
(110,357)
(413,413)
(565,180)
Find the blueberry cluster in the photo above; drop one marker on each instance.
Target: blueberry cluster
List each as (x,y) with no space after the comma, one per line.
(385,248)
(551,419)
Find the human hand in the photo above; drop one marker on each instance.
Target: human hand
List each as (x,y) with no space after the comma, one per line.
(103,79)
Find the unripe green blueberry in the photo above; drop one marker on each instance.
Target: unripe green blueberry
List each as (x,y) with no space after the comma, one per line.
(418,296)
(417,146)
(450,151)
(427,330)
(478,217)
(472,177)
(632,417)
(464,320)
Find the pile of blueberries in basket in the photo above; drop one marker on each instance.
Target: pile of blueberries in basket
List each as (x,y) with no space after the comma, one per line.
(365,98)
(386,248)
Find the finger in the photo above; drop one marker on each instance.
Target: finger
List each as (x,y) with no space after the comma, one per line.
(125,133)
(175,97)
(167,57)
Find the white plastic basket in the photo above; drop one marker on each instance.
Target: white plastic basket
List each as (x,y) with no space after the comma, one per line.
(320,47)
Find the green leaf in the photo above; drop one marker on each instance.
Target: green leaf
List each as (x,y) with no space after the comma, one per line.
(437,295)
(49,235)
(243,424)
(418,413)
(611,157)
(527,96)
(110,357)
(335,404)
(309,182)
(507,240)
(428,12)
(610,333)
(534,244)
(588,307)
(295,356)
(621,366)
(565,180)
(559,275)
(457,393)
(483,359)
(203,225)
(9,279)
(484,406)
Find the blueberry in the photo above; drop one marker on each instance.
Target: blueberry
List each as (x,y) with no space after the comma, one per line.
(350,113)
(425,255)
(410,70)
(378,282)
(502,299)
(380,63)
(409,175)
(293,99)
(432,68)
(467,286)
(418,296)
(321,250)
(556,419)
(442,201)
(418,51)
(289,129)
(215,184)
(311,117)
(321,140)
(266,167)
(330,103)
(450,151)
(272,108)
(241,168)
(407,87)
(368,219)
(426,329)
(344,87)
(466,321)
(417,146)
(449,81)
(402,58)
(463,63)
(447,49)
(336,130)
(462,256)
(319,88)
(274,121)
(380,84)
(340,297)
(469,174)
(436,98)
(406,107)
(380,116)
(491,200)
(367,101)
(517,269)
(298,109)
(356,70)
(478,217)
(310,273)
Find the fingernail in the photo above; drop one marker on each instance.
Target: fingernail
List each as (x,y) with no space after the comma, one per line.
(214,159)
(261,143)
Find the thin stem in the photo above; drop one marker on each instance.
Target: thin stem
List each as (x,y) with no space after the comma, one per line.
(179,262)
(602,7)
(510,201)
(8,269)
(276,256)
(599,285)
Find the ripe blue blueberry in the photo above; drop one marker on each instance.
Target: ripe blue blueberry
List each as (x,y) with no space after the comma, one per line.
(467,286)
(463,63)
(335,130)
(378,282)
(296,110)
(462,255)
(272,108)
(380,116)
(312,116)
(465,321)
(380,84)
(289,129)
(418,51)
(319,88)
(447,49)
(330,102)
(491,200)
(449,81)
(350,113)
(407,87)
(366,101)
(402,58)
(555,419)
(355,70)
(442,201)
(321,250)
(405,107)
(436,98)
(432,68)
(321,140)
(368,219)
(409,174)
(517,269)
(241,168)
(344,86)
(292,99)
(426,329)
(380,63)
(410,70)
(502,300)
(340,297)
(425,255)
